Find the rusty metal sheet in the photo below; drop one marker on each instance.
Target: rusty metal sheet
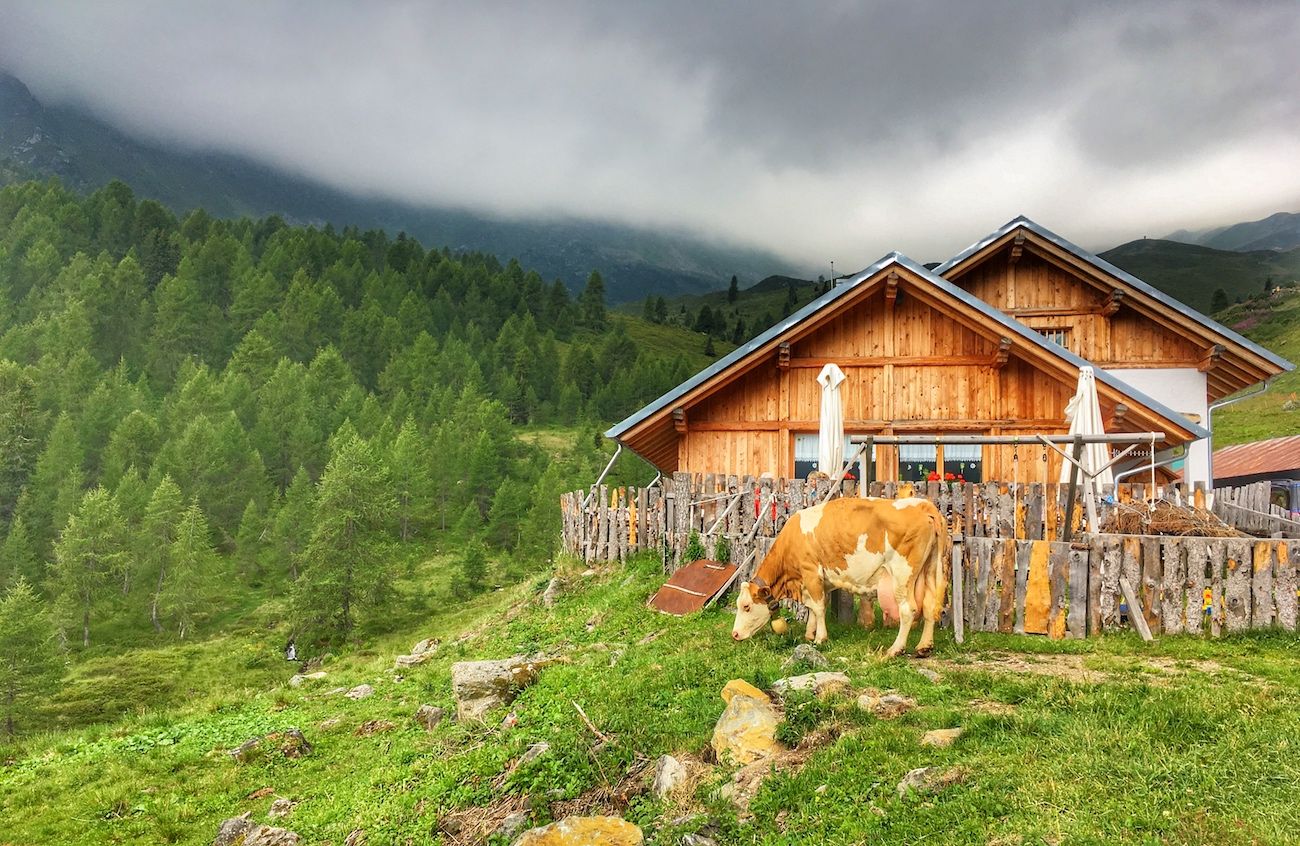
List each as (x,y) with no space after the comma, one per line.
(692,586)
(1276,455)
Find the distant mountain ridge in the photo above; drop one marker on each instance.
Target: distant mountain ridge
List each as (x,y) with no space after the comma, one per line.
(1191,273)
(1278,231)
(38,141)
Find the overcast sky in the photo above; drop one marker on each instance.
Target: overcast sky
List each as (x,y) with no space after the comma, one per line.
(823,131)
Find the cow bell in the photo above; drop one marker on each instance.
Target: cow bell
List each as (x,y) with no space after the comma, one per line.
(779,625)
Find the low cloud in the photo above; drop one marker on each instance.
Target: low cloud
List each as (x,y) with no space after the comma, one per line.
(830,131)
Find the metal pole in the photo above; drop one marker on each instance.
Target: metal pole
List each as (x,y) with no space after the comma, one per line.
(1069,497)
(601,477)
(1115,438)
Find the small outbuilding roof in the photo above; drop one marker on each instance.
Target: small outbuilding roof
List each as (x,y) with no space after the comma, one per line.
(1275,455)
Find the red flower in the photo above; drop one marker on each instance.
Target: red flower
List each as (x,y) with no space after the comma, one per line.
(949,477)
(933,476)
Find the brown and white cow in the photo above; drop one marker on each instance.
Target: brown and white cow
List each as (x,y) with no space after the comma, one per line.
(896,548)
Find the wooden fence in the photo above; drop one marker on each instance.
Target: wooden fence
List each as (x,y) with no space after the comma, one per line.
(617,521)
(1248,508)
(1178,585)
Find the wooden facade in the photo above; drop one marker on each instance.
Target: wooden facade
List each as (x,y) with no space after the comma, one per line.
(920,358)
(1103,316)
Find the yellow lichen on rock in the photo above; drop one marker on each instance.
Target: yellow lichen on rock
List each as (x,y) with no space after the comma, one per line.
(740,687)
(584,831)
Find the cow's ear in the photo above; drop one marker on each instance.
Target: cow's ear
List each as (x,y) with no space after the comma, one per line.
(763,594)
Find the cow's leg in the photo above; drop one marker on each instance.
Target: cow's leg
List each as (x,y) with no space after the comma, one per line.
(930,599)
(814,599)
(905,617)
(867,610)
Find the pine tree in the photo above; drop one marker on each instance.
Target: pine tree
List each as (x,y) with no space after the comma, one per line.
(661,310)
(733,292)
(291,526)
(412,486)
(471,571)
(1219,301)
(347,557)
(89,552)
(30,664)
(708,346)
(738,334)
(157,534)
(249,540)
(192,557)
(18,558)
(704,320)
(591,302)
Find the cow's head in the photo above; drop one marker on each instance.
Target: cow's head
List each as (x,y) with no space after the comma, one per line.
(754,604)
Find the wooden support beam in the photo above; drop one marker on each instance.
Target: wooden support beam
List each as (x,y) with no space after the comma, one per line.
(679,419)
(1116,423)
(1113,302)
(1017,248)
(1211,358)
(891,288)
(1003,354)
(783,356)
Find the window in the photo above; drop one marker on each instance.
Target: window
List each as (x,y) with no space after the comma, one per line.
(916,461)
(965,460)
(1056,335)
(805,454)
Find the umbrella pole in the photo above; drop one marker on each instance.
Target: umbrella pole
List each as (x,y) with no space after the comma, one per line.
(1069,497)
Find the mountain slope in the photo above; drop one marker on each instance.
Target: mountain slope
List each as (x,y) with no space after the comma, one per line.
(84,152)
(1273,322)
(1191,273)
(1280,231)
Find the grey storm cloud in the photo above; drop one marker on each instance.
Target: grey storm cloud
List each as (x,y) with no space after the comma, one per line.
(821,130)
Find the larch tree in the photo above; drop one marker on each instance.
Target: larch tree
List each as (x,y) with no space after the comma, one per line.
(88,553)
(162,516)
(18,558)
(192,560)
(292,524)
(412,485)
(347,561)
(591,302)
(30,664)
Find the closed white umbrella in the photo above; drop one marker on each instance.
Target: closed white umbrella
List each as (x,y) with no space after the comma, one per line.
(830,438)
(1083,413)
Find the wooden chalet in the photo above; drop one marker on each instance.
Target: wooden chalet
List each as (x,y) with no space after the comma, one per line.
(921,356)
(1147,339)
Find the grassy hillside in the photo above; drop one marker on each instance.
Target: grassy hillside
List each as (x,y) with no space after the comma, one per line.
(1279,231)
(756,307)
(1093,741)
(1275,323)
(1192,273)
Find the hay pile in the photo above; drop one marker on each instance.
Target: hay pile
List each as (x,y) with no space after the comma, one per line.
(1133,518)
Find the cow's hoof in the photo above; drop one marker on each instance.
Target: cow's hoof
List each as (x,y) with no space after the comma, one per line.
(893,653)
(924,651)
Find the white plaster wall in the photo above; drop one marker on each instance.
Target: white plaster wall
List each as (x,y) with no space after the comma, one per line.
(1184,390)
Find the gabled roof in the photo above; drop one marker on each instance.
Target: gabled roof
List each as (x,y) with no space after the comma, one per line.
(1011,326)
(1123,276)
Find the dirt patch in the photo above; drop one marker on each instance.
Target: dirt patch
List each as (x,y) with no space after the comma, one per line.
(1068,667)
(1160,670)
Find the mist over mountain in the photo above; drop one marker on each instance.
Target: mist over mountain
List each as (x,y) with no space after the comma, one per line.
(85,153)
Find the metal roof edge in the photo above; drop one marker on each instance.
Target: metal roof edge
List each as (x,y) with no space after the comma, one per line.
(1123,275)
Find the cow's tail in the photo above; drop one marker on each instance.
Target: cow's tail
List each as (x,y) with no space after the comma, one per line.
(934,571)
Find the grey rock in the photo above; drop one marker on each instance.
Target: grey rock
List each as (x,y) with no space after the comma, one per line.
(406,661)
(302,678)
(513,825)
(480,686)
(534,752)
(818,683)
(697,840)
(359,692)
(670,773)
(927,780)
(266,835)
(233,829)
(281,808)
(929,674)
(429,716)
(806,653)
(552,592)
(429,644)
(886,705)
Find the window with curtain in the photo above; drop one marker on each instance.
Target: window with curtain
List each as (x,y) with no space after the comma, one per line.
(965,460)
(916,461)
(805,454)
